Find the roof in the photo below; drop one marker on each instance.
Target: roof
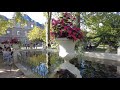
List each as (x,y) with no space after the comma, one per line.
(40,25)
(26,17)
(4,17)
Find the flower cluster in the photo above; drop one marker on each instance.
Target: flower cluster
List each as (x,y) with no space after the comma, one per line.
(64,28)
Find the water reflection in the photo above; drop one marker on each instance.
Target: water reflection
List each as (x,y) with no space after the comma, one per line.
(89,68)
(48,59)
(41,69)
(34,60)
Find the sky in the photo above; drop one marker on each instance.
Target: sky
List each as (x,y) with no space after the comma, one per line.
(37,16)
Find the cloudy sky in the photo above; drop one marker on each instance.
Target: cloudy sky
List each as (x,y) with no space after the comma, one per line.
(37,16)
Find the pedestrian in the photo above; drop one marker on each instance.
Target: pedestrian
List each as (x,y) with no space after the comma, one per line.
(34,45)
(26,46)
(4,46)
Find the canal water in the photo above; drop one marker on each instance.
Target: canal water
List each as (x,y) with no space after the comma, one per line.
(89,67)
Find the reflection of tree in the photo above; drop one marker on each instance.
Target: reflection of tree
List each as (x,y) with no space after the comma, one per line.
(36,59)
(51,60)
(48,59)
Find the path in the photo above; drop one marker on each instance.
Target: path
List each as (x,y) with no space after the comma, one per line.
(6,73)
(107,56)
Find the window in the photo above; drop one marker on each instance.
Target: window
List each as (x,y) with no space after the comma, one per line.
(8,32)
(32,25)
(18,32)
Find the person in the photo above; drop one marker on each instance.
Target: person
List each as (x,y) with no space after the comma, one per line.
(10,45)
(7,46)
(90,46)
(4,51)
(10,55)
(31,45)
(34,45)
(49,45)
(26,46)
(1,49)
(4,46)
(7,55)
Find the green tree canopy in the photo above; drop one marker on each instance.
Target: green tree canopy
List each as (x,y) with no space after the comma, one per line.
(5,24)
(37,34)
(103,25)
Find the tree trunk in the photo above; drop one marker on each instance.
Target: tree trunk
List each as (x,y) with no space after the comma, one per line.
(48,63)
(78,19)
(48,29)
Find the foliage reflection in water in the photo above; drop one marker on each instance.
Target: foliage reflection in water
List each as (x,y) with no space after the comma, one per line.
(33,60)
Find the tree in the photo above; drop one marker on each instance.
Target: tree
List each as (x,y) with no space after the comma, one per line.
(78,19)
(48,29)
(18,18)
(103,25)
(37,34)
(48,15)
(5,24)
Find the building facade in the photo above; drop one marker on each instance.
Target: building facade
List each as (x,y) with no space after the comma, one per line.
(20,32)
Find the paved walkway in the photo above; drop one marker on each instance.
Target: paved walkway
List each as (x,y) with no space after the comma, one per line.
(107,56)
(5,71)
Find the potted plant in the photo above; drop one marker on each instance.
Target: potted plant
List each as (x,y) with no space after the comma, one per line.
(67,34)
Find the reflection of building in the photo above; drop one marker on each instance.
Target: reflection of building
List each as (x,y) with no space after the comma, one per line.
(18,32)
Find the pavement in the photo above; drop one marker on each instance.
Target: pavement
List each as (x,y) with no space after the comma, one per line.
(9,72)
(27,73)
